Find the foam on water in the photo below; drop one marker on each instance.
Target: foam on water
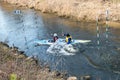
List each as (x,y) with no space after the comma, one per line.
(62,49)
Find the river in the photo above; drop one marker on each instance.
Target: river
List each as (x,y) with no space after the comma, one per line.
(20,29)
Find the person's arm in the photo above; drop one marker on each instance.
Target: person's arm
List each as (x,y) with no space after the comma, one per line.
(69,41)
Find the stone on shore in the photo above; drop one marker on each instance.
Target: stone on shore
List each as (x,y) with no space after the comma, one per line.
(72,78)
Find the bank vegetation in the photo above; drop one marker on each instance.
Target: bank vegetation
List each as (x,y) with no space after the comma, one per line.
(14,65)
(79,10)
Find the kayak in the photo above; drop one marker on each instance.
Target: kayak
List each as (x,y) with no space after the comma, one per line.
(61,41)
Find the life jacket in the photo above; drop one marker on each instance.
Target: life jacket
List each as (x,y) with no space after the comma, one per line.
(55,38)
(68,39)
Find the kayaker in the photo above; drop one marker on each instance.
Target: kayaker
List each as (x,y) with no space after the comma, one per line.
(68,38)
(55,37)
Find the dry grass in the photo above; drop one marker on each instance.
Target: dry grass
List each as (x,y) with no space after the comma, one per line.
(11,62)
(81,10)
(85,10)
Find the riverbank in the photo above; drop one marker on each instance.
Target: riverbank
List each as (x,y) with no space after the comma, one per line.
(13,64)
(77,10)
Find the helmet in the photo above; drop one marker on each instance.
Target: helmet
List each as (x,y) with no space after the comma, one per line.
(55,34)
(68,35)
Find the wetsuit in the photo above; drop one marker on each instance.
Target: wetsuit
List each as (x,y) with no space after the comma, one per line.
(55,38)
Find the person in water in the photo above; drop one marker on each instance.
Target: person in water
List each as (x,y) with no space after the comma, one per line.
(55,37)
(68,38)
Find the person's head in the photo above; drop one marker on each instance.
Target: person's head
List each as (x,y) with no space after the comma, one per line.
(68,35)
(55,34)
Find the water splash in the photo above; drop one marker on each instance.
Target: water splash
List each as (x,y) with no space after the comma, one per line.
(62,49)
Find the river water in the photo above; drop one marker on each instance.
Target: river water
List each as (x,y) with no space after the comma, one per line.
(22,28)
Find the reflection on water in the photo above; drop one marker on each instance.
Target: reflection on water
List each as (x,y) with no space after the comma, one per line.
(3,22)
(22,29)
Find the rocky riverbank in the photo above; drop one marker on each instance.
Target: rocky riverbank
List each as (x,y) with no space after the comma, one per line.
(14,64)
(78,10)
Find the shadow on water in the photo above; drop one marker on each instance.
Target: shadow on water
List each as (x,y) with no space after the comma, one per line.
(97,58)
